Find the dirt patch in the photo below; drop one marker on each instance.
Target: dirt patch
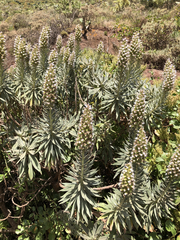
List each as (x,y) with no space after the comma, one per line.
(156,74)
(93,38)
(96,35)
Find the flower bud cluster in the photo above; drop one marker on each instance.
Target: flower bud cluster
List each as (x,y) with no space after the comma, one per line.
(72,59)
(50,86)
(169,76)
(127,182)
(84,139)
(100,47)
(66,54)
(34,57)
(2,47)
(78,33)
(44,37)
(136,47)
(71,42)
(52,57)
(124,54)
(16,43)
(139,152)
(59,43)
(21,51)
(138,110)
(173,169)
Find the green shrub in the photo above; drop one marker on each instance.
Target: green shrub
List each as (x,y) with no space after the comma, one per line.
(156,58)
(64,34)
(19,21)
(158,35)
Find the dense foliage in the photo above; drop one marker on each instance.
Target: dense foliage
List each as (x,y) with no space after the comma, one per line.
(77,144)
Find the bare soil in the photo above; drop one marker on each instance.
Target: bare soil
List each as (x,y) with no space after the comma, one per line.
(93,38)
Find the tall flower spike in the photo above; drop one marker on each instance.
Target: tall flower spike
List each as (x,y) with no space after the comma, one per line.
(169,76)
(2,47)
(136,48)
(34,57)
(71,42)
(21,51)
(66,55)
(78,33)
(84,139)
(44,37)
(138,110)
(52,57)
(124,55)
(173,169)
(72,59)
(59,43)
(139,152)
(16,43)
(50,87)
(100,47)
(127,182)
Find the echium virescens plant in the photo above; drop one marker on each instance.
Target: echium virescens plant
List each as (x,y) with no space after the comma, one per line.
(169,77)
(34,60)
(123,57)
(5,89)
(173,169)
(100,50)
(72,59)
(136,50)
(44,47)
(66,55)
(20,53)
(139,151)
(51,132)
(33,91)
(58,43)
(138,111)
(127,182)
(2,55)
(71,42)
(79,192)
(78,35)
(163,195)
(50,87)
(52,57)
